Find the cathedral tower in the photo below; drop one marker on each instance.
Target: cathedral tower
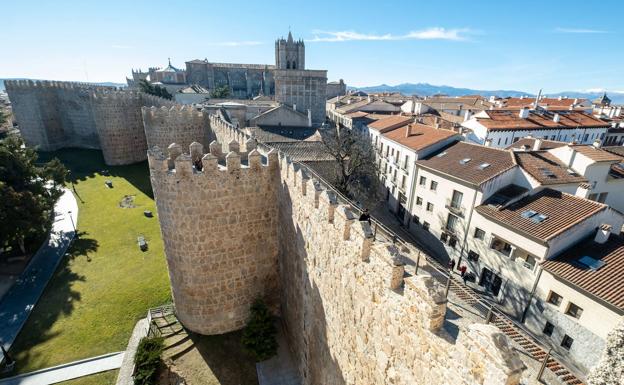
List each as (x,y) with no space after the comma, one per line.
(289,55)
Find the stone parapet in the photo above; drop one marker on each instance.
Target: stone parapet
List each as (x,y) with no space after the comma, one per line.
(219,226)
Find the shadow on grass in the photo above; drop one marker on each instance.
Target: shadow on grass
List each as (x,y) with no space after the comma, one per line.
(226,358)
(82,246)
(85,164)
(57,300)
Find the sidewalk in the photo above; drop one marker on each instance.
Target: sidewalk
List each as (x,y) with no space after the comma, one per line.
(68,371)
(17,304)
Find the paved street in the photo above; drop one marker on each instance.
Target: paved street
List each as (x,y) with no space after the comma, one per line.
(18,303)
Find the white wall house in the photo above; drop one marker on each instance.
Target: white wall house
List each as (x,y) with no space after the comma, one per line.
(502,213)
(399,143)
(574,306)
(501,128)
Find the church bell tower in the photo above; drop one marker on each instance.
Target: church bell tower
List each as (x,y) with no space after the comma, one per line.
(289,54)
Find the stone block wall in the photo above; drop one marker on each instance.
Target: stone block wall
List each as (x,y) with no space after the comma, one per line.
(53,115)
(180,124)
(352,314)
(219,226)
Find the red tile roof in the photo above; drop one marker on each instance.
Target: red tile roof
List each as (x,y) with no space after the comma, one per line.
(546,144)
(563,211)
(452,161)
(553,103)
(606,283)
(597,154)
(390,123)
(418,136)
(546,168)
(500,120)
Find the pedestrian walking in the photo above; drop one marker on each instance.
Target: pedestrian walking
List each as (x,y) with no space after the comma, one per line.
(451,265)
(365,216)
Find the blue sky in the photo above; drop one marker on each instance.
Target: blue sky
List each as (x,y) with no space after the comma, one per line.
(525,45)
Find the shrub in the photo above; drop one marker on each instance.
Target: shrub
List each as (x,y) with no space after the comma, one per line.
(259,334)
(147,360)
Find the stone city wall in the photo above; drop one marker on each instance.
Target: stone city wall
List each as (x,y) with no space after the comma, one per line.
(54,115)
(225,132)
(180,124)
(352,314)
(219,226)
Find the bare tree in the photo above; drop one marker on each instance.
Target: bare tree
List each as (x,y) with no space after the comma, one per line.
(356,171)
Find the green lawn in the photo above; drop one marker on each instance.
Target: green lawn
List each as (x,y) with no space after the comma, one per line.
(106,283)
(104,378)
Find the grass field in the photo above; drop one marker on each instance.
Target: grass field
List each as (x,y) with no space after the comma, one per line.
(105,283)
(105,378)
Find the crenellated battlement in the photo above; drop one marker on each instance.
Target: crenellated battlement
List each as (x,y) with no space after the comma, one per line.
(53,84)
(177,164)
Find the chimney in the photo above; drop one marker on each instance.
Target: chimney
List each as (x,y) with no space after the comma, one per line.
(413,105)
(575,101)
(597,143)
(408,130)
(524,147)
(467,115)
(603,233)
(537,144)
(437,122)
(583,189)
(295,107)
(556,118)
(309,118)
(560,97)
(488,142)
(524,113)
(572,157)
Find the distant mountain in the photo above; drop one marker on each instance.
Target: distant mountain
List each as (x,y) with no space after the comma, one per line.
(426,89)
(99,84)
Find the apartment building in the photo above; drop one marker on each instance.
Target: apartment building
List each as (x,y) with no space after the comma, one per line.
(503,213)
(399,142)
(579,297)
(501,128)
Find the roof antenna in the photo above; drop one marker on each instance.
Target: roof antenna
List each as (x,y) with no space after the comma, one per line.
(169,59)
(537,98)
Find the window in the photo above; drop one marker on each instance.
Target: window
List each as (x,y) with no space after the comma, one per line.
(479,234)
(514,140)
(434,185)
(429,206)
(566,342)
(585,137)
(457,199)
(451,223)
(554,298)
(406,162)
(574,310)
(472,256)
(403,182)
(602,197)
(529,262)
(418,201)
(452,242)
(426,226)
(549,329)
(501,246)
(422,181)
(498,144)
(444,237)
(415,219)
(592,197)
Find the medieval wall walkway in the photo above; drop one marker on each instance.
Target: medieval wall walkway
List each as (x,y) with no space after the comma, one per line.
(20,300)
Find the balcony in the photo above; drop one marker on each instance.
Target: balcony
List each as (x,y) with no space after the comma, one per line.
(455,208)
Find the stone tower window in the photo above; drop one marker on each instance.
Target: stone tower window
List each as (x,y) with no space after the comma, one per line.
(288,64)
(294,65)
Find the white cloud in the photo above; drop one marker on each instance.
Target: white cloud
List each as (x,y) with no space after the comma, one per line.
(436,33)
(578,30)
(235,43)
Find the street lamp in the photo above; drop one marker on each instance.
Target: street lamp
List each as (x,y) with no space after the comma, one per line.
(72,222)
